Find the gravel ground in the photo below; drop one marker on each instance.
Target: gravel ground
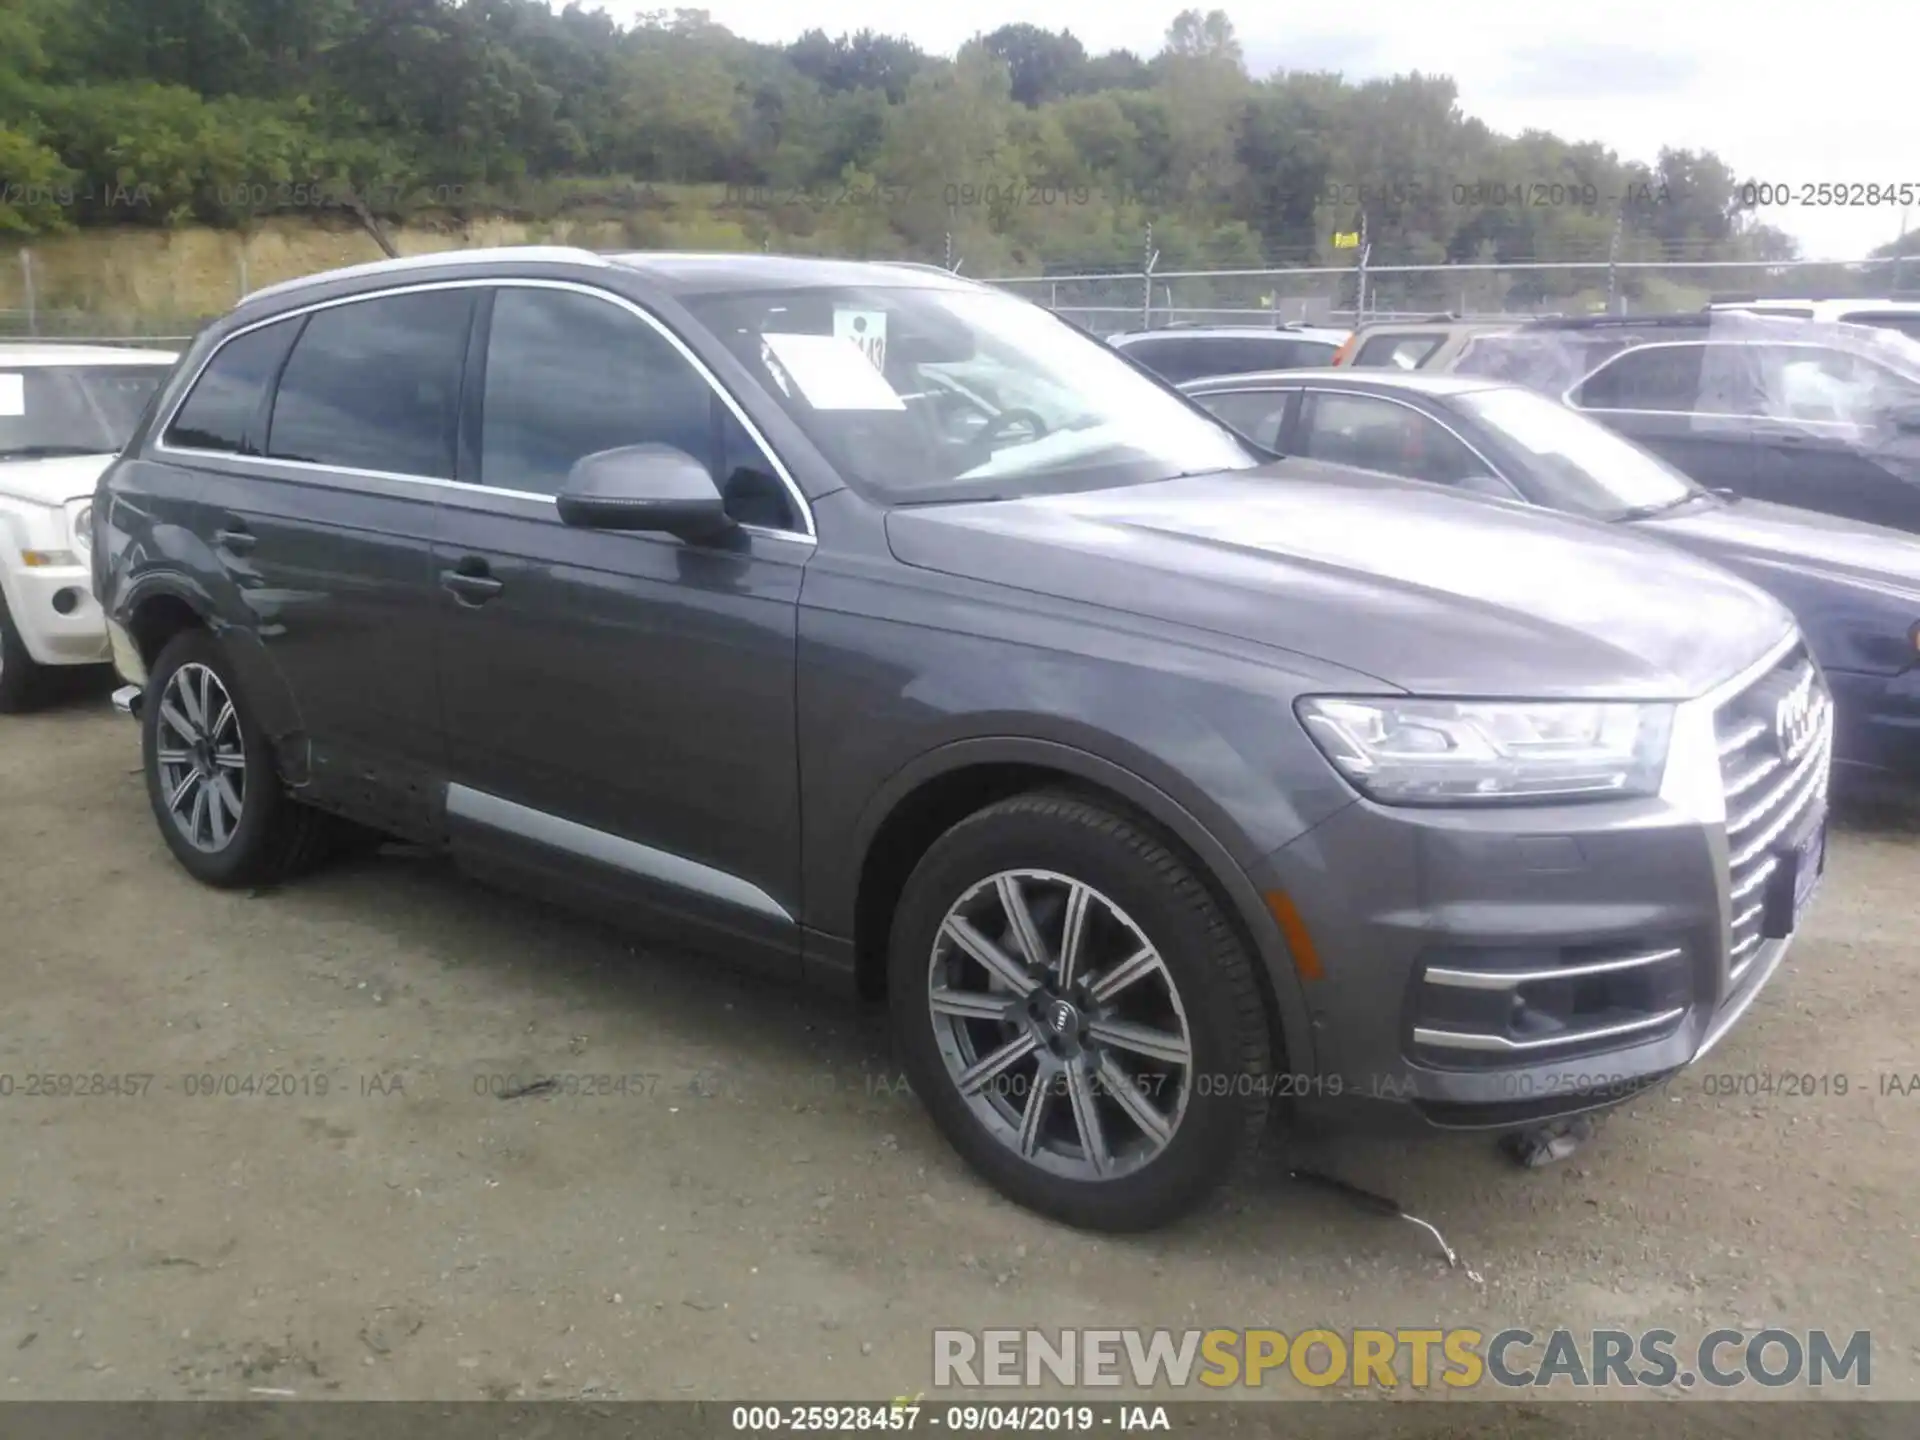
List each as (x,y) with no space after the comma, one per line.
(765,1212)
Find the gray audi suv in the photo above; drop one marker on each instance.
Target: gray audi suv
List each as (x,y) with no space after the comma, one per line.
(878,628)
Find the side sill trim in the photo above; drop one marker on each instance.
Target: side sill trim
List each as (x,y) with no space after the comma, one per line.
(629,855)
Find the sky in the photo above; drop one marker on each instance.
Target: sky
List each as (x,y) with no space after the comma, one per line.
(1791,95)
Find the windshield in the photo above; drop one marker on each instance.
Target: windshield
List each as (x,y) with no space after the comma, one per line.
(921,394)
(48,410)
(1578,464)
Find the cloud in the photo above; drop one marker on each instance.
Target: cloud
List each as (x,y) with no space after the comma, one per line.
(1353,55)
(1595,71)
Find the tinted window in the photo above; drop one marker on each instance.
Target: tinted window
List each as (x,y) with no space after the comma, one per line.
(1383,435)
(1401,352)
(1256,414)
(228,393)
(569,375)
(1660,377)
(375,385)
(1193,357)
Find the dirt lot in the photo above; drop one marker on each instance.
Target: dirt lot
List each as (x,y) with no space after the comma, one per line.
(768,1215)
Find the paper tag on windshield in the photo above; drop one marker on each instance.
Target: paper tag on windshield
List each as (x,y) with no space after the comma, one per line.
(13,395)
(868,330)
(833,373)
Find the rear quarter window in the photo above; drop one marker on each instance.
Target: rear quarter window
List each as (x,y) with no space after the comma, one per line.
(1399,352)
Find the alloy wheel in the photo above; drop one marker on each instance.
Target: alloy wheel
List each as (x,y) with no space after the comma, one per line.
(202,757)
(1060,1024)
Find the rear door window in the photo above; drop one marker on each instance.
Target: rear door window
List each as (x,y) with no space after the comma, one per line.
(1653,377)
(375,385)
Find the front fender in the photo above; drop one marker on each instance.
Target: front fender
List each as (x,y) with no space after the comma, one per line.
(1150,800)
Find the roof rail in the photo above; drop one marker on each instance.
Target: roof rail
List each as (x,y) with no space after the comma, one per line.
(1686,320)
(404,263)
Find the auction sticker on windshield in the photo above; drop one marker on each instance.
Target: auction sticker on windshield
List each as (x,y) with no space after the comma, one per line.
(13,395)
(867,329)
(833,372)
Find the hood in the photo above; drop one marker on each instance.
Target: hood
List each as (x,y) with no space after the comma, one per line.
(1432,592)
(1800,541)
(54,481)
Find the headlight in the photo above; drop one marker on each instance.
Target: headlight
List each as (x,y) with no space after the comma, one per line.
(80,524)
(1459,752)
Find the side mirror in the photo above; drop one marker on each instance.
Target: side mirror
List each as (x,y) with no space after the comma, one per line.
(644,487)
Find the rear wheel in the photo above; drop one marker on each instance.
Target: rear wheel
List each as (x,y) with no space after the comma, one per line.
(21,676)
(1077,1014)
(211,776)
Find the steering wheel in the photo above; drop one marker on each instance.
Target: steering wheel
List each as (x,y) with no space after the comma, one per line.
(1008,425)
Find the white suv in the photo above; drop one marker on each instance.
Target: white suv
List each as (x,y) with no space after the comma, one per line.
(65,411)
(1900,315)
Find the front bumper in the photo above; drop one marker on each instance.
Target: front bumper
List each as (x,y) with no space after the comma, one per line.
(1496,968)
(58,619)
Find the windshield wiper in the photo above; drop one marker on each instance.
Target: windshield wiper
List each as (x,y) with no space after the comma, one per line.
(50,452)
(1645,512)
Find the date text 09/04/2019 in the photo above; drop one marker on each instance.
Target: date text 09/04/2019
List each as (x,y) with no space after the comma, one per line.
(909,1413)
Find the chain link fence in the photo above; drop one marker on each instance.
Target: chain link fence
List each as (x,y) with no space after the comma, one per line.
(89,305)
(1348,295)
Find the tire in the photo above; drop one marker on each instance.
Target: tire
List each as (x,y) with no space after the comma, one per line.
(273,838)
(1211,1111)
(21,676)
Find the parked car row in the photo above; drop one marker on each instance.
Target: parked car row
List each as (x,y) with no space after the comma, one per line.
(1854,588)
(880,629)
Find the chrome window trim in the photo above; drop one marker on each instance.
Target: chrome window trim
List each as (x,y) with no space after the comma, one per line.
(809,535)
(1493,470)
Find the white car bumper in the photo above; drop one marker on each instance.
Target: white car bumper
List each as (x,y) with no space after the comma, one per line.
(54,610)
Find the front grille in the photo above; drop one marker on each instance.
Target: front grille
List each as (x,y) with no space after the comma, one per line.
(1775,782)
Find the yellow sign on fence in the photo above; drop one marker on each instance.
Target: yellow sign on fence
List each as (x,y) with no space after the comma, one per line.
(1346,239)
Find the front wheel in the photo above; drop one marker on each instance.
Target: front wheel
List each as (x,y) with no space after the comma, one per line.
(211,776)
(1077,1014)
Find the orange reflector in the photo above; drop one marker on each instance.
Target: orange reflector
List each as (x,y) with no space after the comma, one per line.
(1306,959)
(1341,356)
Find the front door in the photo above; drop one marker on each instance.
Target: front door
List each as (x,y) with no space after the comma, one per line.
(619,707)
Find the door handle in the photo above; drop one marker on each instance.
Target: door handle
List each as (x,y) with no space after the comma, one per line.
(470,582)
(235,539)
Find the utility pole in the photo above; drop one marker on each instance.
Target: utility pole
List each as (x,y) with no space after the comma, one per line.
(1360,283)
(1613,263)
(1146,278)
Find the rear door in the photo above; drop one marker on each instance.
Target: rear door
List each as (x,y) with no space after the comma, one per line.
(1693,403)
(321,445)
(1827,441)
